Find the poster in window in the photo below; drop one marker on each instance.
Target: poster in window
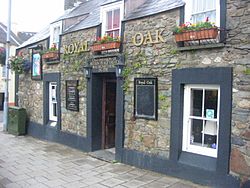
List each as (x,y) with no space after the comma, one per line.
(36,69)
(72,95)
(145,98)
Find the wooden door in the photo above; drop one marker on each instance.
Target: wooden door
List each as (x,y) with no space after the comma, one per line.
(108,113)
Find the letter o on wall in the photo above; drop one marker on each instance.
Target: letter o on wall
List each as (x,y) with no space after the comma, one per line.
(138,37)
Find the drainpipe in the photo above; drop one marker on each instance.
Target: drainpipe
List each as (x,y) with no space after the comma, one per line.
(6,93)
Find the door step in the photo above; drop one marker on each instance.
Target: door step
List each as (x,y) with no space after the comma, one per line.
(107,155)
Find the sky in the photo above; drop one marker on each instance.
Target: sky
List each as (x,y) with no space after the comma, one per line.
(31,15)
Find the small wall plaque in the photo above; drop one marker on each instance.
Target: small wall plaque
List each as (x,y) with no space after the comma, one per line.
(72,95)
(145,98)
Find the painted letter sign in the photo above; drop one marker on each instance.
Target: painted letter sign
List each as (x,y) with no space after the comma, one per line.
(76,47)
(148,38)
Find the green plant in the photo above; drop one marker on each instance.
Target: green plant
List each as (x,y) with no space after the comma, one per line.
(53,48)
(193,27)
(19,64)
(247,71)
(106,38)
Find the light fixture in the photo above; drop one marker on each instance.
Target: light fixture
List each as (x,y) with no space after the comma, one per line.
(119,66)
(87,71)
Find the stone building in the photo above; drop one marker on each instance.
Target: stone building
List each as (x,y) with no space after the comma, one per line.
(178,107)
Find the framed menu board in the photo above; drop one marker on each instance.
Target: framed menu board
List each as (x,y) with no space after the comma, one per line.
(145,98)
(72,95)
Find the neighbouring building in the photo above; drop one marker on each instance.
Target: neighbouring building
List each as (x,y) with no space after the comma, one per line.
(111,74)
(14,42)
(16,39)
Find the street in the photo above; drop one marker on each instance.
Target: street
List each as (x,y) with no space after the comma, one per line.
(29,162)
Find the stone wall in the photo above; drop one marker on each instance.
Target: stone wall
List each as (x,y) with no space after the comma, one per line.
(156,60)
(238,56)
(71,69)
(159,59)
(30,92)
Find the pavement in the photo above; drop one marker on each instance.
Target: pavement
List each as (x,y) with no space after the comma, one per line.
(29,162)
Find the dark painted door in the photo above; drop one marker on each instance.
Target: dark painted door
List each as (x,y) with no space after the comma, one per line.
(108,113)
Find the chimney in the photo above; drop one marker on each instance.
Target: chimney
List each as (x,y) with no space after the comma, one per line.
(68,4)
(131,5)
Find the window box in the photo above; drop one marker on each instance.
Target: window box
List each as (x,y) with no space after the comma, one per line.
(105,46)
(203,34)
(50,55)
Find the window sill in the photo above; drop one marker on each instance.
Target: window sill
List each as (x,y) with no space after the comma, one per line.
(52,62)
(200,47)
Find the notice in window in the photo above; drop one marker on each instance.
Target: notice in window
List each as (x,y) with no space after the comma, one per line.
(72,95)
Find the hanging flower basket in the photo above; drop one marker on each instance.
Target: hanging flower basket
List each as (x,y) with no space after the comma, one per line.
(2,56)
(19,65)
(105,46)
(202,34)
(50,55)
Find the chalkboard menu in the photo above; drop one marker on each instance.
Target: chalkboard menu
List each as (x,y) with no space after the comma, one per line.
(146,98)
(72,95)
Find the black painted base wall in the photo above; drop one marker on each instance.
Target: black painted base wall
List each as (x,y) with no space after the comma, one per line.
(52,134)
(138,159)
(179,170)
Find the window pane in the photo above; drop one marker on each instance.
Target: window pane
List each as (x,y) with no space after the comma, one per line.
(116,33)
(109,20)
(196,132)
(116,22)
(210,134)
(54,110)
(202,9)
(196,102)
(211,100)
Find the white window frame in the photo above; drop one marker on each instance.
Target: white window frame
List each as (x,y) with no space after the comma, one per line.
(52,34)
(186,146)
(52,102)
(188,12)
(111,7)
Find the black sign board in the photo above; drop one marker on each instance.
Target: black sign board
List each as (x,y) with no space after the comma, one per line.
(145,98)
(72,95)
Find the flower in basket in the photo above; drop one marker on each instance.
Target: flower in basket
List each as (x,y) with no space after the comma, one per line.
(193,27)
(107,42)
(2,55)
(199,31)
(19,64)
(106,39)
(51,53)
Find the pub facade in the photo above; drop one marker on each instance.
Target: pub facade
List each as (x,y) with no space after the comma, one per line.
(111,74)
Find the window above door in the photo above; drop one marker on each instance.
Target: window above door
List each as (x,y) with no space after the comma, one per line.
(202,10)
(55,31)
(110,17)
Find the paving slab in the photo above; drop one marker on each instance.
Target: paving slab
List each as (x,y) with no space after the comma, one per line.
(28,162)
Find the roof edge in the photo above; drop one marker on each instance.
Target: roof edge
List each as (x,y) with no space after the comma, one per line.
(139,17)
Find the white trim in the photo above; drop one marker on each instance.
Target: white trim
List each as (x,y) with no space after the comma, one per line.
(52,27)
(187,117)
(189,7)
(53,92)
(110,7)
